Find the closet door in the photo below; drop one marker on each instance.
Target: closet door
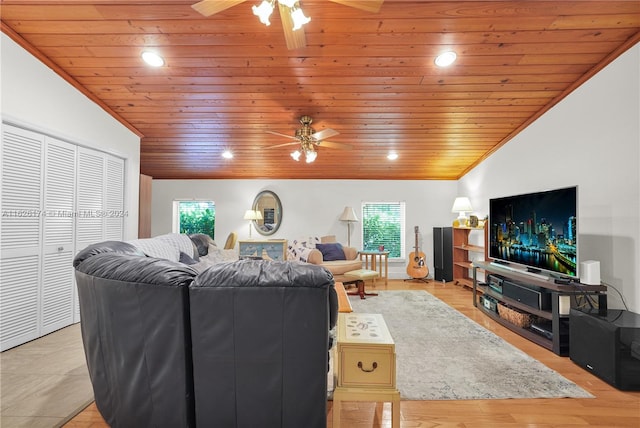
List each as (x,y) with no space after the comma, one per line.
(114,199)
(58,236)
(99,202)
(21,228)
(89,198)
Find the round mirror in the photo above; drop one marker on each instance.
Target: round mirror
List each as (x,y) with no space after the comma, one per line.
(268,204)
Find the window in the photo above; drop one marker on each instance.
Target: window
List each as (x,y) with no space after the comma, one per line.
(194,217)
(383,224)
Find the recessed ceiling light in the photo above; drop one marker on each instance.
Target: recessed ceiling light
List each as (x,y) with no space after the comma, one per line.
(227,154)
(152,59)
(392,156)
(445,59)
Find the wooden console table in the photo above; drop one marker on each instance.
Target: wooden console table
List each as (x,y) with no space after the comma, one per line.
(365,364)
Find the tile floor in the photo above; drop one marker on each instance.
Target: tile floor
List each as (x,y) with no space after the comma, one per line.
(45,381)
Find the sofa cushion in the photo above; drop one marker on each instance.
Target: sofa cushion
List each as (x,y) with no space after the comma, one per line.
(339,267)
(106,247)
(157,248)
(331,252)
(302,254)
(180,241)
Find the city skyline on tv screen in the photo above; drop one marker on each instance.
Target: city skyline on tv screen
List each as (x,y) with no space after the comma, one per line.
(538,230)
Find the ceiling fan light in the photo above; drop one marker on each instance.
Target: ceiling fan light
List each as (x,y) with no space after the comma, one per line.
(227,154)
(296,155)
(310,155)
(392,156)
(298,18)
(264,11)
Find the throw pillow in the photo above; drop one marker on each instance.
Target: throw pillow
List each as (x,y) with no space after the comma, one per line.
(331,252)
(186,259)
(158,248)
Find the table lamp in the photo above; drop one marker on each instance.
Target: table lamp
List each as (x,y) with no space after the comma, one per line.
(252,215)
(461,205)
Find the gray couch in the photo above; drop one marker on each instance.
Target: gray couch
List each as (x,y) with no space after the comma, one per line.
(241,344)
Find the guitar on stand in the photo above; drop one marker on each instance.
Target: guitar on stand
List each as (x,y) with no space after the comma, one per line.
(417,266)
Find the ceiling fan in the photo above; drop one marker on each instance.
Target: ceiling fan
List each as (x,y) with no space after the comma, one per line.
(309,139)
(291,14)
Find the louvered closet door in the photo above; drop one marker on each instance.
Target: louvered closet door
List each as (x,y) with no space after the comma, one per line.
(58,284)
(89,198)
(20,244)
(114,199)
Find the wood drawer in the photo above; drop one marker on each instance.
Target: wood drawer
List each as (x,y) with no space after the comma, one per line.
(370,366)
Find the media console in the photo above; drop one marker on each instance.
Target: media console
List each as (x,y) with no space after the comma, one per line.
(542,300)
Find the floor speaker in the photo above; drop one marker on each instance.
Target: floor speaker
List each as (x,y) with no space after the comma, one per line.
(607,346)
(443,253)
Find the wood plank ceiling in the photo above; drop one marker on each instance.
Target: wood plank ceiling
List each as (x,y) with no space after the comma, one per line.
(370,76)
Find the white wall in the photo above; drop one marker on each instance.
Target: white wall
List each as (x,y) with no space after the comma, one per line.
(35,97)
(591,139)
(312,207)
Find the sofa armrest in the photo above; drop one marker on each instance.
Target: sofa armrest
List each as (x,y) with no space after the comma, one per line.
(350,253)
(315,257)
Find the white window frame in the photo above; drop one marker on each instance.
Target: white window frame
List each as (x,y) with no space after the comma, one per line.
(175,220)
(402,213)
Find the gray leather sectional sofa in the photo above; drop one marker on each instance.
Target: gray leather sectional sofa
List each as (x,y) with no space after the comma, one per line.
(241,344)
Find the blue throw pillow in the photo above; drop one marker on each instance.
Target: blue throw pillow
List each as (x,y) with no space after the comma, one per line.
(331,252)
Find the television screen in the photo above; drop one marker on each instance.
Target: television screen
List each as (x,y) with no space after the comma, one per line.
(536,230)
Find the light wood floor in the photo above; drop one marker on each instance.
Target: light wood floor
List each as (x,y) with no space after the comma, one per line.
(610,408)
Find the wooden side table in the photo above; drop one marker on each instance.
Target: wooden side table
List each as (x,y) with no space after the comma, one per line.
(365,364)
(378,260)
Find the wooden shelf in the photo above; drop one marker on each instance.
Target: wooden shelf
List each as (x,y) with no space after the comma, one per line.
(514,303)
(574,287)
(462,253)
(473,248)
(528,334)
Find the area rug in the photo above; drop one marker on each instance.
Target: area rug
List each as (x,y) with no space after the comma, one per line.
(443,355)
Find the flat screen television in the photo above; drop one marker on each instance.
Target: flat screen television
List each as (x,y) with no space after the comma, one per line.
(536,232)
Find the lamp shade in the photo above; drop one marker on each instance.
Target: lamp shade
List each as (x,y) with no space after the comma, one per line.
(461,204)
(251,215)
(348,215)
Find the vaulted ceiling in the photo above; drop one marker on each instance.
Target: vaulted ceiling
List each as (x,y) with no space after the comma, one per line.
(370,76)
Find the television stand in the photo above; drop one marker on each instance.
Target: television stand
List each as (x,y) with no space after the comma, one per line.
(555,335)
(530,272)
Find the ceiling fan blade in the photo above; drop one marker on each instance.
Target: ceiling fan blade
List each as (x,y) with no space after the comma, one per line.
(211,7)
(325,133)
(281,135)
(331,145)
(284,144)
(366,5)
(295,39)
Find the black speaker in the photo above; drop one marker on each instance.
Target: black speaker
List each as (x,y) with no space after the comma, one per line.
(607,346)
(443,253)
(530,295)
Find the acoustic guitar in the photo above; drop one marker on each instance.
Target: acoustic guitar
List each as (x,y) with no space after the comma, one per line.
(417,267)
